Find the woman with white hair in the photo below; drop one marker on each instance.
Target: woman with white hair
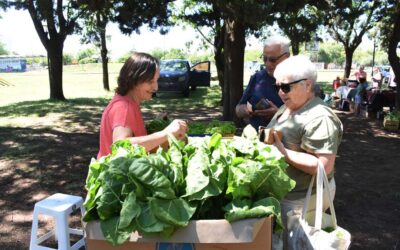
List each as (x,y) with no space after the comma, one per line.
(311,130)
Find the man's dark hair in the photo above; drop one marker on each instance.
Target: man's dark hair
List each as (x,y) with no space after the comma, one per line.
(138,68)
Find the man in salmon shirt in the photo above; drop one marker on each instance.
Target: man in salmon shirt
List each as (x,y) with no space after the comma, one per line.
(122,118)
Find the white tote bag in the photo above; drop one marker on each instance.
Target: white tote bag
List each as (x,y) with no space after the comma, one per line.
(316,229)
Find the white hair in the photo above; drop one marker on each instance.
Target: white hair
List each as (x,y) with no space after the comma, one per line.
(283,42)
(295,68)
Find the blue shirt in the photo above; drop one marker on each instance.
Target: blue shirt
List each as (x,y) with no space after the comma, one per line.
(261,85)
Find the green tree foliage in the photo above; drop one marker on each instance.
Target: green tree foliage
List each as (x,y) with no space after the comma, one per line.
(36,60)
(68,59)
(181,54)
(158,53)
(200,57)
(94,30)
(348,21)
(125,56)
(174,54)
(3,49)
(130,15)
(331,52)
(299,20)
(86,54)
(3,5)
(201,14)
(252,55)
(364,57)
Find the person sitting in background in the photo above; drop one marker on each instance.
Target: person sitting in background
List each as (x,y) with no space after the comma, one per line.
(336,83)
(343,90)
(122,118)
(392,82)
(319,92)
(311,131)
(360,74)
(352,83)
(261,85)
(339,97)
(376,78)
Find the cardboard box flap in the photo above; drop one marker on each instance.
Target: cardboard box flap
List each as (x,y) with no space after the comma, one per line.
(200,231)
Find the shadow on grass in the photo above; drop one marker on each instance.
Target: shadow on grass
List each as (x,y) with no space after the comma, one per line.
(43,107)
(367,179)
(36,163)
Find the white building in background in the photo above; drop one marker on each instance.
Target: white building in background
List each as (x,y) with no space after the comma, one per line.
(12,64)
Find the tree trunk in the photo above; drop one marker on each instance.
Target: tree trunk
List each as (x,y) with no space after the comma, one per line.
(393,58)
(104,57)
(349,60)
(295,47)
(233,74)
(55,65)
(219,57)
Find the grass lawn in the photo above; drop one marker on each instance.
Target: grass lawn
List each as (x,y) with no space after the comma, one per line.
(84,81)
(24,101)
(46,147)
(79,81)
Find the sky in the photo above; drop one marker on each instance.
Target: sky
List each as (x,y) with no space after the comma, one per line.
(18,35)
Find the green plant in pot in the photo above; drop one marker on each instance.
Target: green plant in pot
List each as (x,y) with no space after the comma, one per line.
(392,120)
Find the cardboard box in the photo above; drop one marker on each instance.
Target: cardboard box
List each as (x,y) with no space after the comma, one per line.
(254,234)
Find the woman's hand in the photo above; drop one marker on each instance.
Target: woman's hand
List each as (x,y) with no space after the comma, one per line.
(178,128)
(278,143)
(306,162)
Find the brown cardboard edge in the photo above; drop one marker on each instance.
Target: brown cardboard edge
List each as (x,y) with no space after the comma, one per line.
(202,231)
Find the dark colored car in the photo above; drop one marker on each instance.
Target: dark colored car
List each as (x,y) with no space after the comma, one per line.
(177,75)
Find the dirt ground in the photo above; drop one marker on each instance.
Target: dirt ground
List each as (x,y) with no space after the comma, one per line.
(367,176)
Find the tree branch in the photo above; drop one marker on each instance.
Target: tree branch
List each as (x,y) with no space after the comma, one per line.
(37,23)
(204,37)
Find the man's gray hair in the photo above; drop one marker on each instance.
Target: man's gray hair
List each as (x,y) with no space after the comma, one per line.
(295,68)
(279,40)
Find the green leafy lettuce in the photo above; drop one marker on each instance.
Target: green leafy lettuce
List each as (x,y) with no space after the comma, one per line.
(208,178)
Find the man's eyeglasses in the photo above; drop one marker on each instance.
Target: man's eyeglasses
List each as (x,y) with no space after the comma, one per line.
(285,87)
(272,59)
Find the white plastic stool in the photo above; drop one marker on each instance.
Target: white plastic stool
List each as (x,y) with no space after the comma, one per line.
(59,206)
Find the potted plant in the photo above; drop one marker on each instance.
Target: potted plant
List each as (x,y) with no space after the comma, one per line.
(392,120)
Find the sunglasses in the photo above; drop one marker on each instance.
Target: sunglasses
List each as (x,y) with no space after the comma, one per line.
(285,87)
(272,59)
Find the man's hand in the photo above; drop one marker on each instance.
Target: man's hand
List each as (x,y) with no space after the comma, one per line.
(267,113)
(242,111)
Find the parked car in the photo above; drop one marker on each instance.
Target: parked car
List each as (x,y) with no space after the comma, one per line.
(177,75)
